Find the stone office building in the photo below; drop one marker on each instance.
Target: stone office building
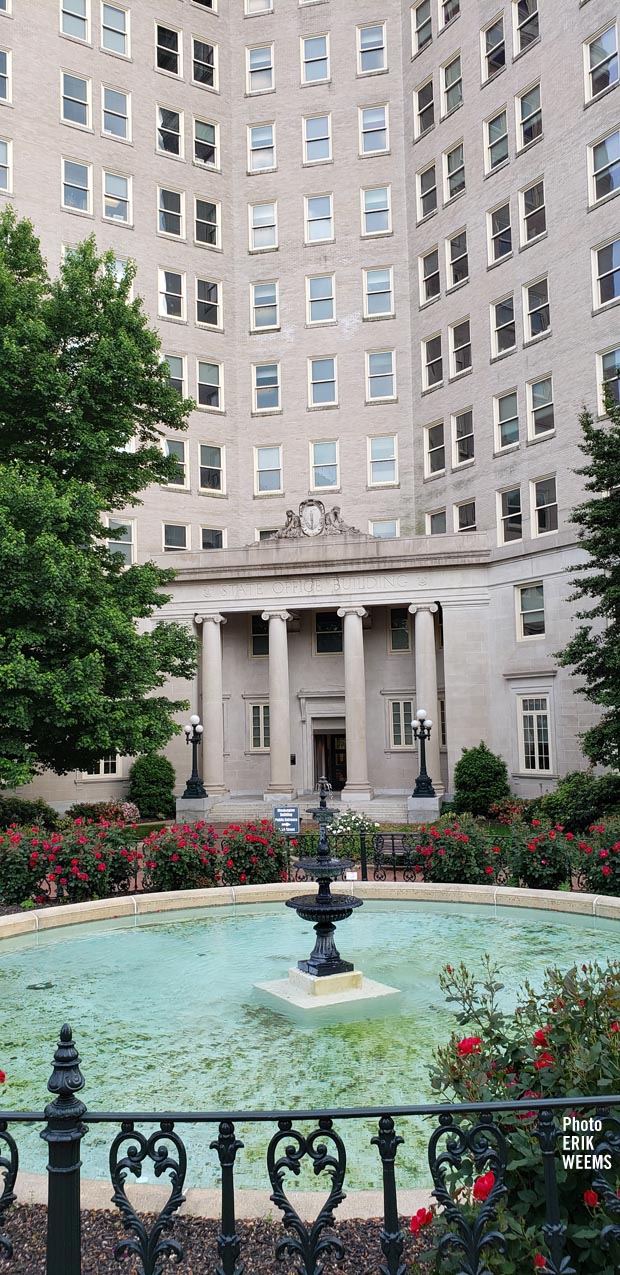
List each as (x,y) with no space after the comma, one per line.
(381,245)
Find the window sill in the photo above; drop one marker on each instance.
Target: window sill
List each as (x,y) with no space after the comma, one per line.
(541,438)
(311,84)
(431,389)
(317,243)
(523,150)
(465,464)
(112,53)
(169,75)
(315,163)
(79,128)
(365,75)
(531,242)
(506,451)
(162,234)
(492,79)
(179,159)
(322,323)
(211,247)
(505,354)
(373,154)
(453,199)
(455,286)
(449,114)
(79,212)
(383,487)
(272,411)
(613,194)
(217,495)
(114,221)
(259,331)
(500,260)
(536,340)
(497,169)
(211,411)
(112,137)
(427,218)
(425,305)
(609,305)
(604,93)
(268,495)
(377,318)
(431,478)
(460,376)
(259,93)
(522,52)
(205,88)
(173,318)
(380,402)
(258,172)
(323,407)
(76,39)
(205,168)
(421,136)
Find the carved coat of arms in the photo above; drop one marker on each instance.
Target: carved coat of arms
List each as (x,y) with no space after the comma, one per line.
(314,520)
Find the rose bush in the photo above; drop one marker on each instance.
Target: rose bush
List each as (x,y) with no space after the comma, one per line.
(253,854)
(182,857)
(458,850)
(598,861)
(87,861)
(540,857)
(123,811)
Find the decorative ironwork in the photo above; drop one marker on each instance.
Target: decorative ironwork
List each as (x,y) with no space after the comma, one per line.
(9,1164)
(308,1245)
(554,1229)
(228,1242)
(422,731)
(63,1133)
(608,1144)
(392,1239)
(397,849)
(485,1145)
(148,1246)
(322,909)
(193,735)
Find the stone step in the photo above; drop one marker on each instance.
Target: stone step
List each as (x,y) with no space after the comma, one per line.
(241,810)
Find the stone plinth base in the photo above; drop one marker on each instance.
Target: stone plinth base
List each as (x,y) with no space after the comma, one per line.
(191,809)
(309,992)
(423,809)
(351,796)
(283,797)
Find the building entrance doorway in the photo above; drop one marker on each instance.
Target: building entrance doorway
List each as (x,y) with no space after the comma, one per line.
(330,758)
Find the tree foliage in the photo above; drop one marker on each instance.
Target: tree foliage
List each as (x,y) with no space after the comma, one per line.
(594,650)
(84,400)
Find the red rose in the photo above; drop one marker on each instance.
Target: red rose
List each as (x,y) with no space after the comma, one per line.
(483,1187)
(469,1045)
(544,1060)
(174,858)
(604,854)
(536,823)
(615,1027)
(570,836)
(489,871)
(606,871)
(2,1077)
(540,1037)
(540,1262)
(229,863)
(101,867)
(422,1218)
(590,1198)
(242,877)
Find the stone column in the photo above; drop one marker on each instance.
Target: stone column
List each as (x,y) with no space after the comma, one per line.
(212,747)
(279,708)
(426,683)
(357,785)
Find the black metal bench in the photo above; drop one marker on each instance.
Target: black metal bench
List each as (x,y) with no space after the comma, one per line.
(395,850)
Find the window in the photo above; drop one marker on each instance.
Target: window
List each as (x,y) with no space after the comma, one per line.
(430,286)
(74,17)
(206,143)
(117,197)
(204,64)
(422,26)
(212,538)
(6,163)
(424,108)
(534,732)
(529,117)
(500,233)
(101,769)
(448,9)
(176,372)
(207,4)
(457,259)
(427,192)
(115,29)
(268,461)
(260,77)
(319,218)
(321,298)
(536,308)
(168,49)
(503,326)
(324,465)
(530,611)
(454,171)
(382,461)
(210,386)
(376,214)
(75,99)
(176,450)
(124,543)
(322,382)
(115,106)
(463,437)
(373,124)
(208,303)
(540,415)
(170,209)
(169,131)
(451,86)
(314,58)
(266,387)
(432,362)
(384,529)
(608,377)
(176,537)
(604,159)
(460,347)
(76,186)
(263,227)
(506,420)
(171,294)
(371,51)
(317,138)
(511,517)
(328,630)
(378,293)
(380,375)
(261,147)
(253,7)
(533,212)
(211,468)
(526,24)
(264,305)
(260,727)
(434,448)
(496,150)
(5,75)
(259,635)
(601,62)
(465,516)
(493,49)
(545,507)
(401,723)
(400,629)
(207,223)
(441,704)
(436,524)
(607,273)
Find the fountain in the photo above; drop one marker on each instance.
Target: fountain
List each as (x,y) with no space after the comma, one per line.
(324,978)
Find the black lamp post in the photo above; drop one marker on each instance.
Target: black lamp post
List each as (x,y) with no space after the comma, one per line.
(193,735)
(422,731)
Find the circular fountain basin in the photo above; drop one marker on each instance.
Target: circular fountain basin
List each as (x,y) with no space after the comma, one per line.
(165,1015)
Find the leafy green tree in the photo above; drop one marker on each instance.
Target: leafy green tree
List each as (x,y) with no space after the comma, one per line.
(594,650)
(480,780)
(84,400)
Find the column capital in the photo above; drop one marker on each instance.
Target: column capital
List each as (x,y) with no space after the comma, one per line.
(423,606)
(276,615)
(214,617)
(361,611)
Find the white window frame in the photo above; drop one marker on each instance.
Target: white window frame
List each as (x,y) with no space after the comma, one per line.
(522,144)
(162,70)
(8,166)
(468,460)
(529,336)
(263,707)
(518,46)
(209,407)
(79,212)
(594,198)
(443,6)
(449,198)
(308,221)
(546,712)
(306,141)
(424,278)
(460,504)
(177,548)
(417,27)
(200,84)
(117,137)
(487,75)
(609,349)
(377,522)
(252,92)
(430,451)
(436,513)
(180,154)
(131,525)
(588,70)
(489,166)
(254,150)
(503,519)
(254,308)
(77,75)
(305,62)
(273,491)
(82,39)
(426,362)
(319,358)
(553,531)
(418,131)
(183,361)
(451,262)
(126,177)
(270,203)
(523,214)
(531,420)
(391,629)
(597,277)
(223,532)
(256,389)
(162,291)
(421,195)
(455,372)
(387,482)
(364,212)
(256,13)
(311,300)
(370,376)
(171,234)
(520,614)
(201,243)
(496,352)
(221,469)
(498,422)
(377,150)
(219,304)
(103,776)
(403,747)
(447,110)
(318,442)
(380,314)
(121,8)
(372,26)
(494,237)
(181,461)
(199,141)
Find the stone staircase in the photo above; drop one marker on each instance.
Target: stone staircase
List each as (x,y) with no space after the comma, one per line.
(242,809)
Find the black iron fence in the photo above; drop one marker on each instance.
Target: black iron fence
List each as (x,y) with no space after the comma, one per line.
(462,1139)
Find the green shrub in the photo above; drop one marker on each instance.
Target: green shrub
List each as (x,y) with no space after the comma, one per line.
(480,780)
(580,799)
(180,858)
(253,854)
(20,867)
(151,785)
(456,850)
(598,862)
(27,813)
(540,858)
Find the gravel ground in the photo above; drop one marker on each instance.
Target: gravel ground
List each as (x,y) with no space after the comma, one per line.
(102,1229)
